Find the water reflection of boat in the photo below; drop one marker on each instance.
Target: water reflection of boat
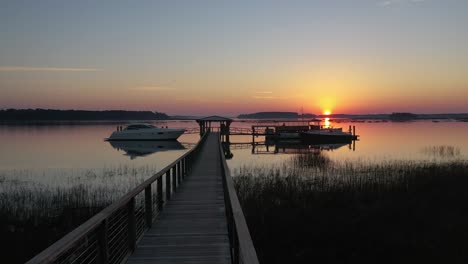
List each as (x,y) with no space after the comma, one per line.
(299,147)
(327,135)
(289,147)
(135,149)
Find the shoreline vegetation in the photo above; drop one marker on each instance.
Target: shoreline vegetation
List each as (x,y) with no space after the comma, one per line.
(269,115)
(53,115)
(314,209)
(396,116)
(77,115)
(37,209)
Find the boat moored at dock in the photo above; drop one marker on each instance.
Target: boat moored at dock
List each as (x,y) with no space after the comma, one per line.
(329,135)
(309,131)
(144,131)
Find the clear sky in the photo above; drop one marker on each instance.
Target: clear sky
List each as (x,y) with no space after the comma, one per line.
(230,57)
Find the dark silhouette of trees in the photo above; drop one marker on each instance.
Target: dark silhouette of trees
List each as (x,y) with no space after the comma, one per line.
(51,115)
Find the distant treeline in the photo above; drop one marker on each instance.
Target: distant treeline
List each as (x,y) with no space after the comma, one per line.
(403,116)
(396,116)
(266,115)
(51,115)
(410,116)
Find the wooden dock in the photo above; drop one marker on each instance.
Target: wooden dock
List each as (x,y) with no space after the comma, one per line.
(193,226)
(186,213)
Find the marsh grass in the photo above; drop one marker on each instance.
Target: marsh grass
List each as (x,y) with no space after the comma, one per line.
(310,160)
(442,151)
(39,207)
(357,212)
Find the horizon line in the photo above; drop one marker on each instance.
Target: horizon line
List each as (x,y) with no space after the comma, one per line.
(439,113)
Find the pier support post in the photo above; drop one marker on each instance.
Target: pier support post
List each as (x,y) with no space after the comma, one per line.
(179,172)
(168,185)
(188,165)
(103,243)
(160,201)
(253,135)
(182,169)
(174,178)
(228,130)
(148,206)
(131,225)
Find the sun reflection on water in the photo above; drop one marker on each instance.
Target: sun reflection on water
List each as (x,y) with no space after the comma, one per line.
(327,122)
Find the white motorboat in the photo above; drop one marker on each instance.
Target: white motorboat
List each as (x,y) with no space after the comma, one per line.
(144,131)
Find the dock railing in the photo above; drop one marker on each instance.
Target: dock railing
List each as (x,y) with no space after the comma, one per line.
(111,235)
(242,247)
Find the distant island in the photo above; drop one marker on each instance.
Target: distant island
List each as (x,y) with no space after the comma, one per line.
(396,116)
(77,115)
(400,116)
(269,115)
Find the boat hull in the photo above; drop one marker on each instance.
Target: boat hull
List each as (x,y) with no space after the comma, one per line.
(283,135)
(146,134)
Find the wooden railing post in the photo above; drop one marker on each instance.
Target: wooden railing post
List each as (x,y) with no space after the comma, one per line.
(236,248)
(189,163)
(174,177)
(103,243)
(131,225)
(168,185)
(160,201)
(183,168)
(148,206)
(179,172)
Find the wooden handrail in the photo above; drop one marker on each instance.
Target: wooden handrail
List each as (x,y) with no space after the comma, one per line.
(98,224)
(242,247)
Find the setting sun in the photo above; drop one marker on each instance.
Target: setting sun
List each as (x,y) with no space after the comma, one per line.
(327,112)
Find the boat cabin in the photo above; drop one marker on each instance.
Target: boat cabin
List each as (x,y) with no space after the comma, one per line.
(136,126)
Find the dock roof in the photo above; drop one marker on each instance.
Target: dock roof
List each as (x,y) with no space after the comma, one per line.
(214,118)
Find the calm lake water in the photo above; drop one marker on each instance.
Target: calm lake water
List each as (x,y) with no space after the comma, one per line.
(46,168)
(75,147)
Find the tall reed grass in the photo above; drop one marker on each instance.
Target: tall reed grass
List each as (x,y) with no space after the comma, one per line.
(39,207)
(357,212)
(442,151)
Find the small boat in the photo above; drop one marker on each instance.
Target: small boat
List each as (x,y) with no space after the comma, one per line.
(144,131)
(329,135)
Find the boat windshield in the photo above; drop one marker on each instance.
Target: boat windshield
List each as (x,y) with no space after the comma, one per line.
(138,126)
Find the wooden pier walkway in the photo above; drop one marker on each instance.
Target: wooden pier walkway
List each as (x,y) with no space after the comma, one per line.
(193,226)
(186,213)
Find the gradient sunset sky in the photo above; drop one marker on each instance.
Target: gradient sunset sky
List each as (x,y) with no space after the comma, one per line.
(231,57)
